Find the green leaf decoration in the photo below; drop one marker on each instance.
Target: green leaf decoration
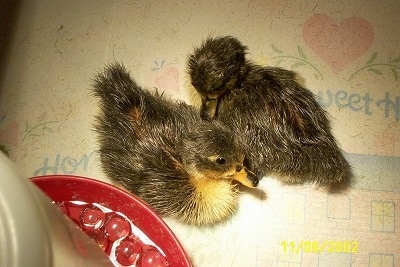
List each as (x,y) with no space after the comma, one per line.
(396,60)
(395,74)
(378,72)
(277,50)
(297,64)
(301,52)
(373,58)
(279,62)
(42,117)
(48,129)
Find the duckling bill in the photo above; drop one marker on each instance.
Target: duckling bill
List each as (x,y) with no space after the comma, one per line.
(163,151)
(284,130)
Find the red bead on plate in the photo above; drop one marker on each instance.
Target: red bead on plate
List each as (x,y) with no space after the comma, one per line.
(128,252)
(117,228)
(153,258)
(92,218)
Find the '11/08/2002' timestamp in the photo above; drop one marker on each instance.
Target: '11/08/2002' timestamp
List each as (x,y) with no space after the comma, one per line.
(312,246)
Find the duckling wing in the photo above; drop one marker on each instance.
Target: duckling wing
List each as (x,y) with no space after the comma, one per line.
(274,101)
(295,108)
(122,99)
(283,128)
(139,134)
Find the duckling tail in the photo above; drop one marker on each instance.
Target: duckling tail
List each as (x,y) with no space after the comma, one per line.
(116,89)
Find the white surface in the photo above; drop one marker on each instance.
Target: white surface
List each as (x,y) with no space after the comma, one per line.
(34,232)
(23,234)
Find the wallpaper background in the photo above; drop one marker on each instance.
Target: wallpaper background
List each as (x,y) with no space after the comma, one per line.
(347,52)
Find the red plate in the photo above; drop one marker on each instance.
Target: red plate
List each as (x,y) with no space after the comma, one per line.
(64,188)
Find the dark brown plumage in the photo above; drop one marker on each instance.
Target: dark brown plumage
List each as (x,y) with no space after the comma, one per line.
(283,128)
(164,153)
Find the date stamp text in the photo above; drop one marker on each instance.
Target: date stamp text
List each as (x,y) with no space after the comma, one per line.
(324,246)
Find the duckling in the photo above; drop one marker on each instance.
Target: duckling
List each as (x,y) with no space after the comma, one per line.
(163,152)
(284,130)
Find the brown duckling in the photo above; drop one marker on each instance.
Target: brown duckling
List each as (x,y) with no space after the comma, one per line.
(283,128)
(163,152)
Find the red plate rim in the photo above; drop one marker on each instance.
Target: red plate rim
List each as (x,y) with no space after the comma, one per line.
(71,187)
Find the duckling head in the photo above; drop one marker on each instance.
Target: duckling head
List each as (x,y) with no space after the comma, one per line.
(213,159)
(211,150)
(214,69)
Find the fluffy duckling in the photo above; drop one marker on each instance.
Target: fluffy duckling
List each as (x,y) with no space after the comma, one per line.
(283,128)
(163,152)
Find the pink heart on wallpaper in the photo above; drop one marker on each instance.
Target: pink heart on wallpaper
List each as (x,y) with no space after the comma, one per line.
(338,43)
(168,79)
(10,134)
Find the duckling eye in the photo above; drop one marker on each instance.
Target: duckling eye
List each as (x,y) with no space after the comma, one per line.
(220,160)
